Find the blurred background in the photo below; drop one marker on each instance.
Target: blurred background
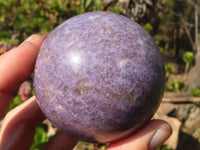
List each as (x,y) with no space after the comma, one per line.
(174,24)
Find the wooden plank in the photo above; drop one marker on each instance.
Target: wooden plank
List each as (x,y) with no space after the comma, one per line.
(188,99)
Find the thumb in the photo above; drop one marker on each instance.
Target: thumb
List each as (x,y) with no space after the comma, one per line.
(150,137)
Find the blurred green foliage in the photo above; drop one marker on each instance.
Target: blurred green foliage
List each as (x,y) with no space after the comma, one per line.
(116,10)
(168,70)
(40,138)
(36,16)
(188,58)
(15,102)
(195,93)
(175,85)
(90,5)
(148,27)
(90,146)
(164,147)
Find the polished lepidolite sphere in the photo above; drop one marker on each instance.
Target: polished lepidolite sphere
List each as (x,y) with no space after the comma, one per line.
(99,76)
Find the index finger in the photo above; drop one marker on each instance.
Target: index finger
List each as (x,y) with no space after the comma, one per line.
(16,66)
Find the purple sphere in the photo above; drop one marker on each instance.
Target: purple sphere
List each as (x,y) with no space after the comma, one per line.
(99,76)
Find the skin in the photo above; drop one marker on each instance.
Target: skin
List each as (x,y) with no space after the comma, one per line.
(19,124)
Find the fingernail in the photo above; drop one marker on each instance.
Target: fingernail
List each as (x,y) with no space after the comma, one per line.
(159,138)
(27,40)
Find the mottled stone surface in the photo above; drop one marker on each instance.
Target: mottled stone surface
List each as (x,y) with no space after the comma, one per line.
(99,76)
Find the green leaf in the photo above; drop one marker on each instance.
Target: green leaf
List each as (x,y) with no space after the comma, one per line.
(116,10)
(164,147)
(195,93)
(88,4)
(148,27)
(15,102)
(40,138)
(169,68)
(188,57)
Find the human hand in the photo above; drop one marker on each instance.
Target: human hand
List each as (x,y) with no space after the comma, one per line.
(19,124)
(150,137)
